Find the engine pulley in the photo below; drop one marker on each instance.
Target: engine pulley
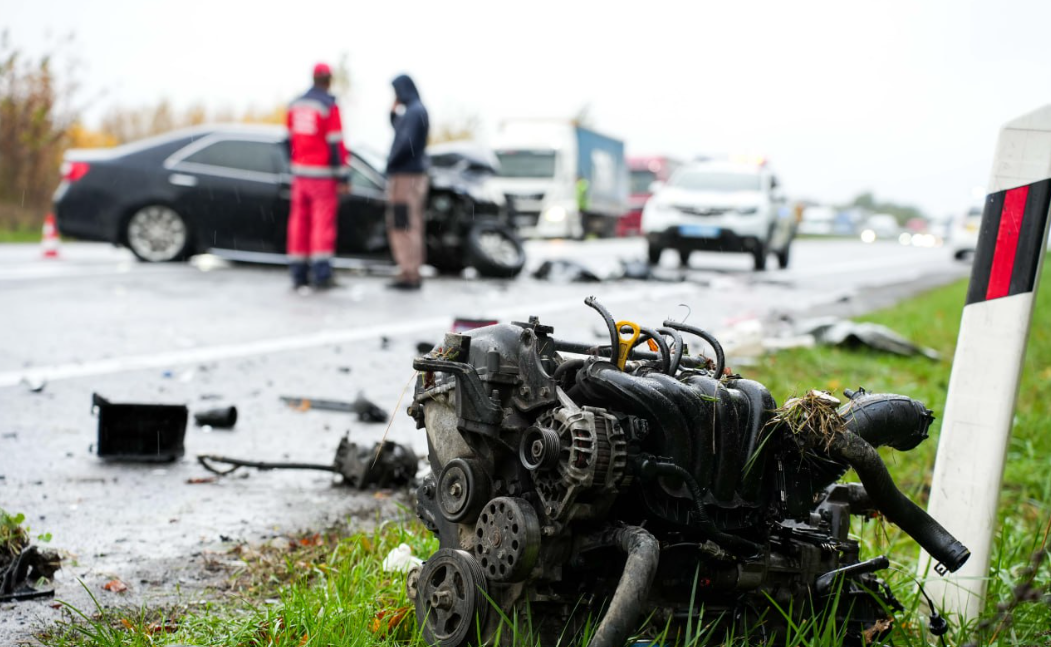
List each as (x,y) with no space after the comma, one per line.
(507,539)
(450,597)
(463,488)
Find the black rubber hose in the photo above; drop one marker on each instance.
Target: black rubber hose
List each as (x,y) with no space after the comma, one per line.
(928,533)
(629,598)
(881,419)
(601,383)
(566,366)
(650,333)
(720,357)
(736,545)
(614,334)
(676,353)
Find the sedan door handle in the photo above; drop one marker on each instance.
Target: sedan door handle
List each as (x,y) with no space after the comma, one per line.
(181,179)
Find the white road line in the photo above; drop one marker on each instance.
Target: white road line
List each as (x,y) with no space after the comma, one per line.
(282,344)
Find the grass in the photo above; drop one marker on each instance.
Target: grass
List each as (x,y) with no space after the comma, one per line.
(330,589)
(20,235)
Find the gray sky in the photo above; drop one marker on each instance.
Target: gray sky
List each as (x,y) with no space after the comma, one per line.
(901,97)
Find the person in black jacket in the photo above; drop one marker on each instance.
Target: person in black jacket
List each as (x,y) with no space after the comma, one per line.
(407,183)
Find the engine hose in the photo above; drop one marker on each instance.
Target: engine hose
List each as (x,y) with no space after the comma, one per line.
(737,545)
(720,357)
(629,598)
(650,333)
(567,366)
(676,353)
(928,533)
(600,383)
(614,334)
(881,419)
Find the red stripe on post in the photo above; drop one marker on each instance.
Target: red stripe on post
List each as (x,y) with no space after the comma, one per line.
(1007,243)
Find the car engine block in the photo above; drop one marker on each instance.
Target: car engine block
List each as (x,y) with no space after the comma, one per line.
(591,488)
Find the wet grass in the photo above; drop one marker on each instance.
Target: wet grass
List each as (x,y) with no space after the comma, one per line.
(330,589)
(20,235)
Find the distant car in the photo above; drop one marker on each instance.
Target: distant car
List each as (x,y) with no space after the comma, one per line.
(720,207)
(647,174)
(880,226)
(227,188)
(964,234)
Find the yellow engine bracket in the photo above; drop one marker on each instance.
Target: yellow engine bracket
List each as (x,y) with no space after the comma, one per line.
(626,343)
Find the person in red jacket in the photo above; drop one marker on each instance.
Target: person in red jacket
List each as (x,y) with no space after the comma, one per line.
(320,172)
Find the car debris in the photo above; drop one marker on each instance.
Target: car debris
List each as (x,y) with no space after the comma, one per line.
(23,567)
(385,465)
(751,338)
(220,418)
(367,410)
(619,485)
(151,433)
(463,324)
(565,271)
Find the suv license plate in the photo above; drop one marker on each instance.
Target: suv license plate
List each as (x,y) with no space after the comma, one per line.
(698,231)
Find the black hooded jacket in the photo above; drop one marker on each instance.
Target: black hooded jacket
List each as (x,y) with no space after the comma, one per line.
(410,130)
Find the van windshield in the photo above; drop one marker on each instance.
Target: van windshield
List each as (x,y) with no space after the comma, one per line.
(727,182)
(524,163)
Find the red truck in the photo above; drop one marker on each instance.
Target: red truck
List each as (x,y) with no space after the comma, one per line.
(644,172)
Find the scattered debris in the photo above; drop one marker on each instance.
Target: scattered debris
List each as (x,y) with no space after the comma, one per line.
(401,560)
(852,334)
(202,479)
(424,347)
(115,586)
(367,410)
(564,271)
(343,369)
(384,342)
(221,418)
(19,574)
(35,384)
(463,324)
(386,465)
(140,432)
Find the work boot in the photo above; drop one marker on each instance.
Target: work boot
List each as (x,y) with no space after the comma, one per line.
(322,271)
(300,272)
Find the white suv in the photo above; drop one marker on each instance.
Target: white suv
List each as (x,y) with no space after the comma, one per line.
(720,207)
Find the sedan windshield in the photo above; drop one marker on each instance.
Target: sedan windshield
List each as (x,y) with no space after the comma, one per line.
(519,163)
(727,182)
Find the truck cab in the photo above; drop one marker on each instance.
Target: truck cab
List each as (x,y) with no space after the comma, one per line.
(560,180)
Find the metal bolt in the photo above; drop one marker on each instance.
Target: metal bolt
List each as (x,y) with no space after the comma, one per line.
(442,599)
(496,538)
(525,391)
(547,531)
(455,490)
(538,448)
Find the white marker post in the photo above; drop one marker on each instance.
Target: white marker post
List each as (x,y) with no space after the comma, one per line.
(990,351)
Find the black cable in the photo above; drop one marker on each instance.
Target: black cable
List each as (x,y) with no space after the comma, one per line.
(937,625)
(720,357)
(677,349)
(614,334)
(204,459)
(649,333)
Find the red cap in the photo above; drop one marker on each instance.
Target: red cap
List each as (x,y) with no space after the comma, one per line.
(322,69)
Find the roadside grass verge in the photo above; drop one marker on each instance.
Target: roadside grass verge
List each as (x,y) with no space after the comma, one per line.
(330,589)
(20,235)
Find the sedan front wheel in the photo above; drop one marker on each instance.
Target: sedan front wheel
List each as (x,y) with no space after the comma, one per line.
(158,234)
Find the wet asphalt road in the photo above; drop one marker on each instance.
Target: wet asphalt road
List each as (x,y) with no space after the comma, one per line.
(209,333)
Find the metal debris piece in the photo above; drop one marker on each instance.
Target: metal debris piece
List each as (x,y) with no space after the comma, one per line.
(150,433)
(29,567)
(221,418)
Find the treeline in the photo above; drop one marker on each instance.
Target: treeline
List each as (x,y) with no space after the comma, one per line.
(40,119)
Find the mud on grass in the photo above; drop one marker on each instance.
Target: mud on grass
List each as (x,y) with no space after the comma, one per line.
(310,589)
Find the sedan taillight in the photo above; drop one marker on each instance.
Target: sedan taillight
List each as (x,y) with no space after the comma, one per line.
(73,171)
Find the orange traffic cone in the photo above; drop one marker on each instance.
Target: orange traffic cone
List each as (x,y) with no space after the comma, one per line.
(50,240)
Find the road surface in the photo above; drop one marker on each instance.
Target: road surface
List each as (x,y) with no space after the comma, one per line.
(210,333)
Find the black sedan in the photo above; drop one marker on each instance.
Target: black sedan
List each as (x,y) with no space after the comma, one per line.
(226,188)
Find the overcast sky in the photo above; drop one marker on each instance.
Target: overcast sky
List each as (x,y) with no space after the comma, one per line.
(903,98)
